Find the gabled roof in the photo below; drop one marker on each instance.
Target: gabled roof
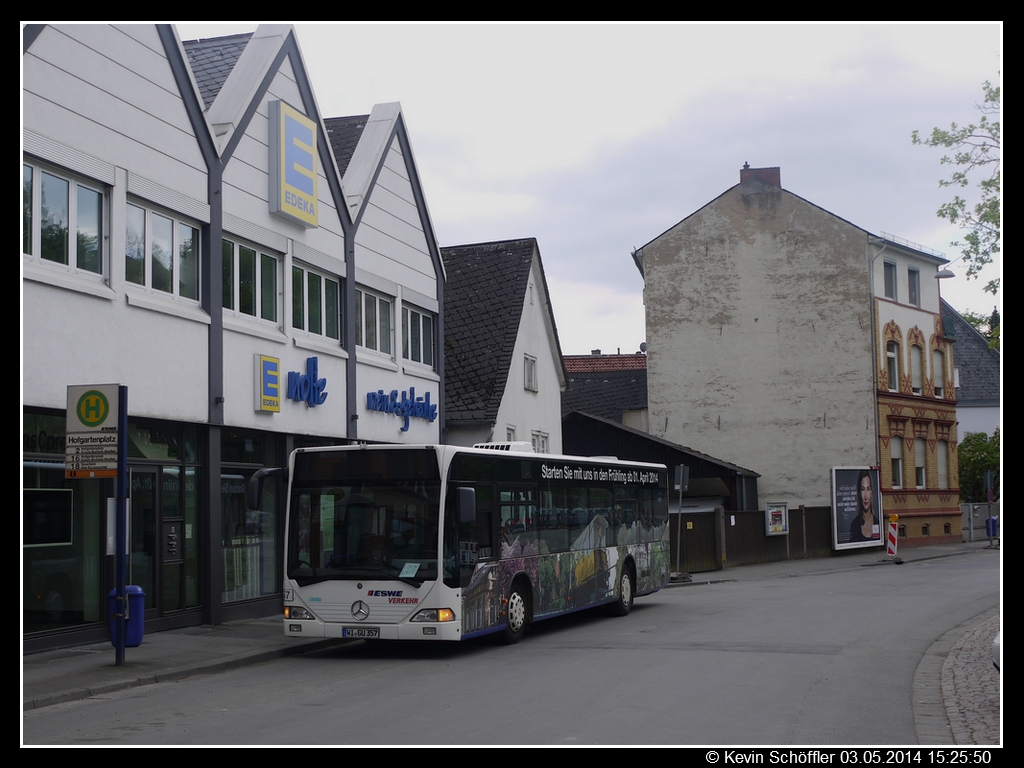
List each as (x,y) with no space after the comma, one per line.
(344,134)
(595,363)
(485,292)
(212,60)
(978,364)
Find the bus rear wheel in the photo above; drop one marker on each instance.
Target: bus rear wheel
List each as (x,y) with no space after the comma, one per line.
(518,610)
(624,601)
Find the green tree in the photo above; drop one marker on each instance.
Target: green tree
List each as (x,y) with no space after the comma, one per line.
(975,148)
(986,325)
(977,454)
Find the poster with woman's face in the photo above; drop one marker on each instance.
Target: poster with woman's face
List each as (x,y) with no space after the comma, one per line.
(856,508)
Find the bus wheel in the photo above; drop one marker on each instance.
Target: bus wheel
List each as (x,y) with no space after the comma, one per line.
(624,601)
(517,612)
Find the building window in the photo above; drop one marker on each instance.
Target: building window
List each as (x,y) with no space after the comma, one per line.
(890,280)
(530,373)
(540,442)
(62,219)
(942,459)
(161,253)
(896,452)
(510,434)
(939,372)
(250,281)
(316,303)
(892,356)
(926,530)
(373,322)
(417,336)
(914,288)
(920,476)
(916,365)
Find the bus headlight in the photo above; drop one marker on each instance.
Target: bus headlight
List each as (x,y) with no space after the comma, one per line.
(434,614)
(296,612)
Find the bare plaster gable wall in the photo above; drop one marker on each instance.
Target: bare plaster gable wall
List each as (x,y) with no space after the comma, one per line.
(759,339)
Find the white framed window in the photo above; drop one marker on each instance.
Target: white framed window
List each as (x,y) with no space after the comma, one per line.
(530,373)
(890,280)
(892,359)
(914,287)
(62,219)
(418,336)
(373,321)
(161,252)
(250,280)
(510,434)
(939,372)
(942,459)
(896,453)
(920,475)
(540,442)
(916,369)
(316,303)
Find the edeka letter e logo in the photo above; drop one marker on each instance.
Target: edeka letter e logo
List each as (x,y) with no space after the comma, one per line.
(92,408)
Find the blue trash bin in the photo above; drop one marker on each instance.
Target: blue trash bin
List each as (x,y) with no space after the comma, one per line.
(134,628)
(992,527)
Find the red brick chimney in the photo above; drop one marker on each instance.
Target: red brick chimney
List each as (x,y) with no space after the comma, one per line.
(770,175)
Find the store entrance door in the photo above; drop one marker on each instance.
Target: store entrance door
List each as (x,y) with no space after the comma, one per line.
(158,541)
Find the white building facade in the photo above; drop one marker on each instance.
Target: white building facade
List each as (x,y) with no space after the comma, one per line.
(187,233)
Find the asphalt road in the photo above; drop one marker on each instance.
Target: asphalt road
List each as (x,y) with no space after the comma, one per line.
(811,659)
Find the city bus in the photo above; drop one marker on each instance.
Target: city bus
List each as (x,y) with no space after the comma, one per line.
(441,542)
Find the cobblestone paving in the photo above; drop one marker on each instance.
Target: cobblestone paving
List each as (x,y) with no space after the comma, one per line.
(970,686)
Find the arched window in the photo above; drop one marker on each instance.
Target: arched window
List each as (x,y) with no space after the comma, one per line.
(896,451)
(892,358)
(942,456)
(939,372)
(919,471)
(916,368)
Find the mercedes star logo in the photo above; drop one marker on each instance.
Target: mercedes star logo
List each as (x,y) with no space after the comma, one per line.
(360,610)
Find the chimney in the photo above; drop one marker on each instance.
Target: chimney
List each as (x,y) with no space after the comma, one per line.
(770,175)
(595,352)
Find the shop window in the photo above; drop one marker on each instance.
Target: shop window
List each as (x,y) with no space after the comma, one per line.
(892,359)
(914,287)
(373,321)
(161,252)
(249,280)
(890,280)
(62,219)
(316,303)
(418,336)
(896,452)
(530,373)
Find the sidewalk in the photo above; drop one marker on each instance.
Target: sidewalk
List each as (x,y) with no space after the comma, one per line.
(956,697)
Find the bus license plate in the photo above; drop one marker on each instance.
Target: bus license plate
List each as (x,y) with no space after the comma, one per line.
(367,633)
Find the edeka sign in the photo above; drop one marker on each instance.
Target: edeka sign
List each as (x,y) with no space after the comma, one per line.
(307,387)
(409,407)
(293,165)
(268,384)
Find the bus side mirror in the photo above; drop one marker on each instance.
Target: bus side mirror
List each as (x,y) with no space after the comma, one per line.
(466,501)
(254,488)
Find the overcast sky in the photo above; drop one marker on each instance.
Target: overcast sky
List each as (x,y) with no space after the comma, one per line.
(596,139)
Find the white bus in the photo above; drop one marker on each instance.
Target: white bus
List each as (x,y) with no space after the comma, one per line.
(441,542)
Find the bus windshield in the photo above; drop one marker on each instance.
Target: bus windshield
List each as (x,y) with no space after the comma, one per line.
(364,515)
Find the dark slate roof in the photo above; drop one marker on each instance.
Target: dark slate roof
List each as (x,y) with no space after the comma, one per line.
(606,393)
(483,303)
(344,134)
(978,364)
(212,60)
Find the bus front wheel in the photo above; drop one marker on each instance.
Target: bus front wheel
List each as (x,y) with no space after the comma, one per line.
(518,610)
